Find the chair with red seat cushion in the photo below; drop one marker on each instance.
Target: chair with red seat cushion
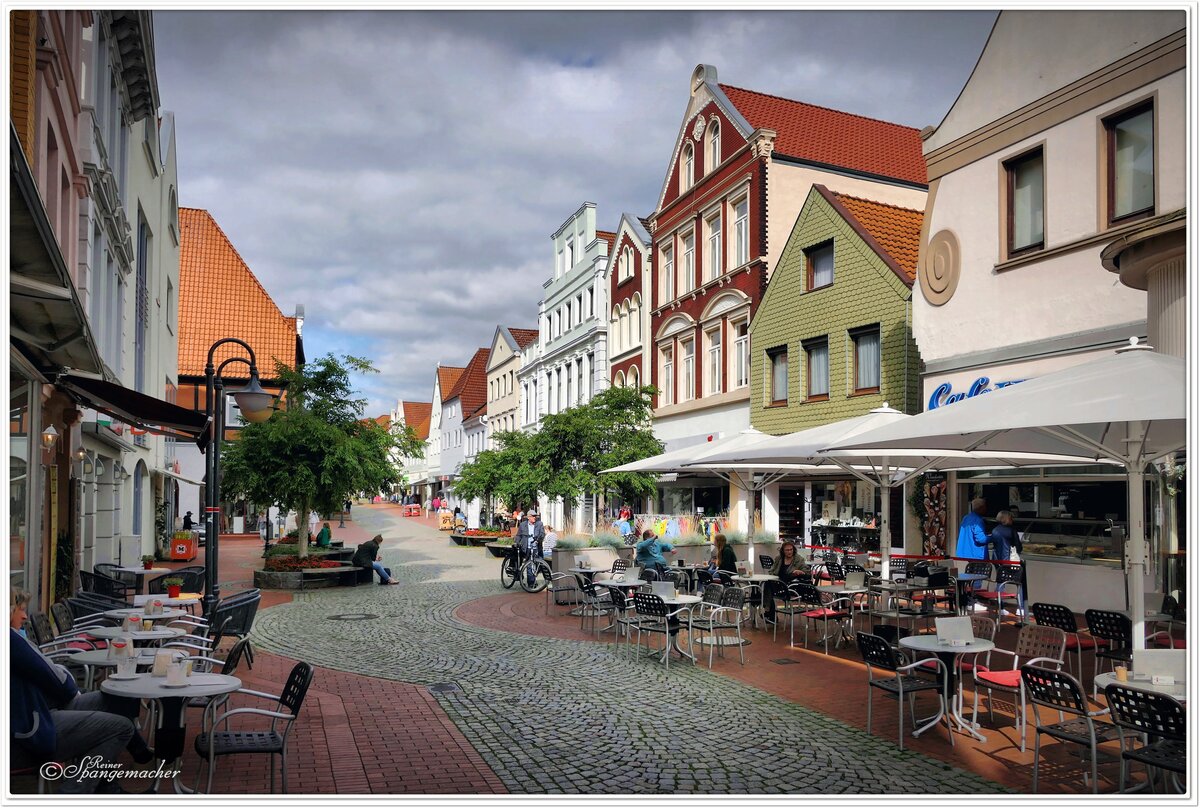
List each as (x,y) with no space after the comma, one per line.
(1163,639)
(823,609)
(1059,616)
(1007,591)
(1041,645)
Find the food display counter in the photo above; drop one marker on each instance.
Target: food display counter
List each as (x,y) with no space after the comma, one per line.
(1074,541)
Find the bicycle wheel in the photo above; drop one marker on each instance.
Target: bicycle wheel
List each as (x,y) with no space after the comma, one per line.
(535,576)
(508,573)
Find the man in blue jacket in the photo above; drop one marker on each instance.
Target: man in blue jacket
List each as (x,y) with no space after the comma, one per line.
(972,538)
(52,720)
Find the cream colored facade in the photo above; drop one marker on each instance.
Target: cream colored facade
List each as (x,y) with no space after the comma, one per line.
(978,306)
(504,392)
(992,309)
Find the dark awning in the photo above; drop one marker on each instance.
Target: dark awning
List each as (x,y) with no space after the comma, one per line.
(45,316)
(134,408)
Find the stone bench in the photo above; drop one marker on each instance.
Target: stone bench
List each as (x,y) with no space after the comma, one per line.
(343,576)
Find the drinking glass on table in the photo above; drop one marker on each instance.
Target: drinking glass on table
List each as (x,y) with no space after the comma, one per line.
(126,667)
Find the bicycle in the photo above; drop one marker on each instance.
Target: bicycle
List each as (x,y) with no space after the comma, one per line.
(519,564)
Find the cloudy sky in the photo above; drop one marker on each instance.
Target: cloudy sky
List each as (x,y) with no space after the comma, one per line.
(400,173)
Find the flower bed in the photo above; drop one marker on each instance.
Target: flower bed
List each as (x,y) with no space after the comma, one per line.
(481,532)
(288,563)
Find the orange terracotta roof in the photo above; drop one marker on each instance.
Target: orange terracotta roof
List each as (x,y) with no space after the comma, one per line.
(608,237)
(220,297)
(524,336)
(471,389)
(822,135)
(447,378)
(480,410)
(416,415)
(896,232)
(384,421)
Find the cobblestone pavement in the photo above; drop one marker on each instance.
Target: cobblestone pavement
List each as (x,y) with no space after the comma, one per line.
(553,715)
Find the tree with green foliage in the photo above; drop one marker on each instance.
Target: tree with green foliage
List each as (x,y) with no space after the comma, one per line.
(318,450)
(565,458)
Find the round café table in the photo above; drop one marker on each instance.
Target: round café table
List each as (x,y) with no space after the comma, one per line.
(1177,691)
(672,603)
(168,703)
(167,614)
(101,658)
(949,654)
(155,634)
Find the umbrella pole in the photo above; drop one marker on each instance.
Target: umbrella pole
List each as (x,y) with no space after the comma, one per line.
(885,531)
(1135,552)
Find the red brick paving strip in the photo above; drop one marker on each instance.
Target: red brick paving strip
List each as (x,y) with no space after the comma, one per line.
(356,734)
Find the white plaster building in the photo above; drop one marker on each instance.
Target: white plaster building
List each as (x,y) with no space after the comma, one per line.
(1041,172)
(444,379)
(503,389)
(569,362)
(129,243)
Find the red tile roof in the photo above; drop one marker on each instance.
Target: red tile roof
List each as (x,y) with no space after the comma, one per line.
(608,237)
(822,135)
(416,415)
(524,336)
(471,389)
(893,232)
(447,378)
(384,421)
(220,297)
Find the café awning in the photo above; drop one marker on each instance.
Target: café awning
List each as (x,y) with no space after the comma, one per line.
(134,408)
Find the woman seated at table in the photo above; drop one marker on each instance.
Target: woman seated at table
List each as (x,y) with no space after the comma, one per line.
(723,558)
(52,721)
(791,568)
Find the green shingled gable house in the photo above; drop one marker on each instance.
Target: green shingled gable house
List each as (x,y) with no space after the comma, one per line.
(832,338)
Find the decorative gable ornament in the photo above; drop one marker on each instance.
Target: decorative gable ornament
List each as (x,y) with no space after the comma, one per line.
(698,128)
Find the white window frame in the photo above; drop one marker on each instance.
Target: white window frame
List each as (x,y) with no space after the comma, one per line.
(667,279)
(667,363)
(688,242)
(716,359)
(715,257)
(687,168)
(740,359)
(741,231)
(713,145)
(687,352)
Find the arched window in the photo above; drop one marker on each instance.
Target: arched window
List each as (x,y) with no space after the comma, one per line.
(635,314)
(614,329)
(619,380)
(627,263)
(714,145)
(634,381)
(625,342)
(687,172)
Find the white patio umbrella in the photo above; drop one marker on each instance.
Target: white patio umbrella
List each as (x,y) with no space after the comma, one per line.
(749,477)
(886,470)
(1129,408)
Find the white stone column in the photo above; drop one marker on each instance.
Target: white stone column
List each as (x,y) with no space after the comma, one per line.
(771,508)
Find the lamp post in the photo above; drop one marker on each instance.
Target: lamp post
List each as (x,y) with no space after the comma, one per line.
(256,406)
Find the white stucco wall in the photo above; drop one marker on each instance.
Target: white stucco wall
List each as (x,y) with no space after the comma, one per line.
(1012,70)
(1057,295)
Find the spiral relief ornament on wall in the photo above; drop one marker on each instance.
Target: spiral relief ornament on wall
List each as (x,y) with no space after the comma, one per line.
(940,269)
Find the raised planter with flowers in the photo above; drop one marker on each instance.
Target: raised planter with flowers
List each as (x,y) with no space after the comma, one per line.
(286,571)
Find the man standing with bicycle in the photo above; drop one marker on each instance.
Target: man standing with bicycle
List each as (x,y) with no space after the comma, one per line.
(531,533)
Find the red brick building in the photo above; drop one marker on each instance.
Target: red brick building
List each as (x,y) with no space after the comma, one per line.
(741,168)
(629,292)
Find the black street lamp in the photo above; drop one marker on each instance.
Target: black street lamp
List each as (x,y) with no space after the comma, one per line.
(256,406)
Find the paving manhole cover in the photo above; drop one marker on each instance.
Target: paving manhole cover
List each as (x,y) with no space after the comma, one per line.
(445,687)
(353,616)
(785,662)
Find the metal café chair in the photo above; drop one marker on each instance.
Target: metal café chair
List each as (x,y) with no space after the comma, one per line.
(1044,645)
(1159,720)
(1059,690)
(1059,616)
(902,684)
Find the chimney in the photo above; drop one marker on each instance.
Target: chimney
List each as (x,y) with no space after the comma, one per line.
(299,319)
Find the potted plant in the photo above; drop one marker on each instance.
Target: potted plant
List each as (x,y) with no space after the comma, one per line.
(147,562)
(174,586)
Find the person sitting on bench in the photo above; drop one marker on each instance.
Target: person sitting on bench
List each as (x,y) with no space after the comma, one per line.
(367,555)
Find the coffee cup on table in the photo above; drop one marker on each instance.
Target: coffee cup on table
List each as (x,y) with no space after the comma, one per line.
(1122,673)
(176,675)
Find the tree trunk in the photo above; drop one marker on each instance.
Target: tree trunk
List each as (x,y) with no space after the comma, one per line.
(302,530)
